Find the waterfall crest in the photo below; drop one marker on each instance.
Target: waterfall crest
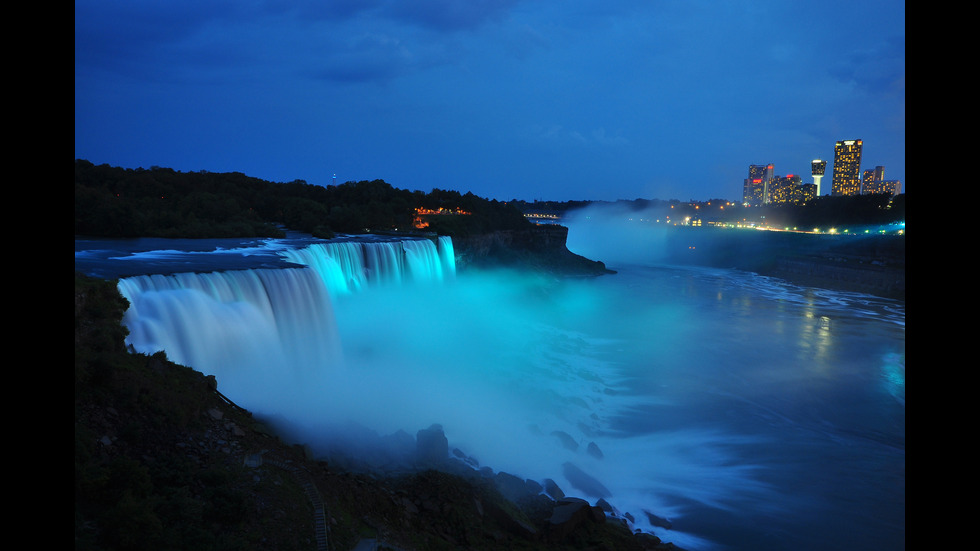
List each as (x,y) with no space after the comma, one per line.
(270,319)
(349,266)
(244,319)
(265,327)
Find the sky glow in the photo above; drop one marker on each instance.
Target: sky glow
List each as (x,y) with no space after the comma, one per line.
(508,99)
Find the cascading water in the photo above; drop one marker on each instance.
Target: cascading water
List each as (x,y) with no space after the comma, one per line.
(747,411)
(241,326)
(350,266)
(260,331)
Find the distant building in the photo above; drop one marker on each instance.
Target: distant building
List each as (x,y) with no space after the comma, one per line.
(846,179)
(804,193)
(818,168)
(872,180)
(891,187)
(785,189)
(755,188)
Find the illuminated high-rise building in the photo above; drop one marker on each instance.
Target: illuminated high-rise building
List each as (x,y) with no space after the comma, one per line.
(804,193)
(818,168)
(756,186)
(892,186)
(874,182)
(847,168)
(871,181)
(784,189)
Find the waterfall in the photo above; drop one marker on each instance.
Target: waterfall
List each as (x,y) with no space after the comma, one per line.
(658,367)
(248,319)
(265,328)
(349,266)
(448,255)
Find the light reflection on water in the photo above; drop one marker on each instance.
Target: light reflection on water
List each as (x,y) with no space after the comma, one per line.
(797,373)
(751,412)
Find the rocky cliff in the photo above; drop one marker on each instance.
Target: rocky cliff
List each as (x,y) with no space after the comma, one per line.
(540,248)
(873,265)
(164,461)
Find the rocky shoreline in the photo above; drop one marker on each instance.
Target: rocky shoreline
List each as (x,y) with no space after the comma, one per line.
(855,275)
(539,248)
(537,513)
(163,460)
(873,265)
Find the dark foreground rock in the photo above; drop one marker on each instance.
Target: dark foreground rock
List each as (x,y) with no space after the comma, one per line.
(164,461)
(539,248)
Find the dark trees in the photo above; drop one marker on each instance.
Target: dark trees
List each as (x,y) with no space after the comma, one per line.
(160,202)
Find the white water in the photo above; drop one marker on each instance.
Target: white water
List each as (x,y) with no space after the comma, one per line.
(751,413)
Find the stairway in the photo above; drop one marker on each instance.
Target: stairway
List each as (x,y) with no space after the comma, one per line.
(306,481)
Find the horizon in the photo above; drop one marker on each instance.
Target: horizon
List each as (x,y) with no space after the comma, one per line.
(511,100)
(460,191)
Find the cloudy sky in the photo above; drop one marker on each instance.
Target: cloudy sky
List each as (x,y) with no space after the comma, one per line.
(525,99)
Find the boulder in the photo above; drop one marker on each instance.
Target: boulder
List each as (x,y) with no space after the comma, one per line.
(569,515)
(658,520)
(552,489)
(604,505)
(533,487)
(594,450)
(566,440)
(584,482)
(432,446)
(511,487)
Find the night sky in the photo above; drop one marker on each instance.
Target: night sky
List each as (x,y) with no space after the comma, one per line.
(508,99)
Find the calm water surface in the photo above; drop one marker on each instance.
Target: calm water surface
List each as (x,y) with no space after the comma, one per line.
(750,413)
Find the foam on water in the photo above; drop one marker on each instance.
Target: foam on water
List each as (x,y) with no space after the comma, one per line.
(712,397)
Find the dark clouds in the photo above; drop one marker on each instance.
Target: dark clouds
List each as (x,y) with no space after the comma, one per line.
(528,99)
(877,67)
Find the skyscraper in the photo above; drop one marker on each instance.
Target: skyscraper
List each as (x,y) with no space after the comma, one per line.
(818,168)
(871,181)
(755,189)
(847,168)
(784,189)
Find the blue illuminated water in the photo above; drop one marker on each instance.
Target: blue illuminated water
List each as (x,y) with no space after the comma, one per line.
(751,413)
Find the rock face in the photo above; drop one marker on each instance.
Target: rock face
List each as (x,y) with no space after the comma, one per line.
(538,247)
(432,446)
(569,515)
(181,430)
(584,482)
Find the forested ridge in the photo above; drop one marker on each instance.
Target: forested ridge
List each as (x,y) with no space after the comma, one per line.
(162,202)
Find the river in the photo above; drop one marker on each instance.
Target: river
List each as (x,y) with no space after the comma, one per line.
(748,412)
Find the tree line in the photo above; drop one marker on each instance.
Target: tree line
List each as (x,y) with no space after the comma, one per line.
(162,202)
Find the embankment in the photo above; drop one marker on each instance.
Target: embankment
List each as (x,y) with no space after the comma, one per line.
(873,264)
(541,248)
(866,264)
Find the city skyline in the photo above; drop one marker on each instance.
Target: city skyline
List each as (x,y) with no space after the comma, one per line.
(508,100)
(848,177)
